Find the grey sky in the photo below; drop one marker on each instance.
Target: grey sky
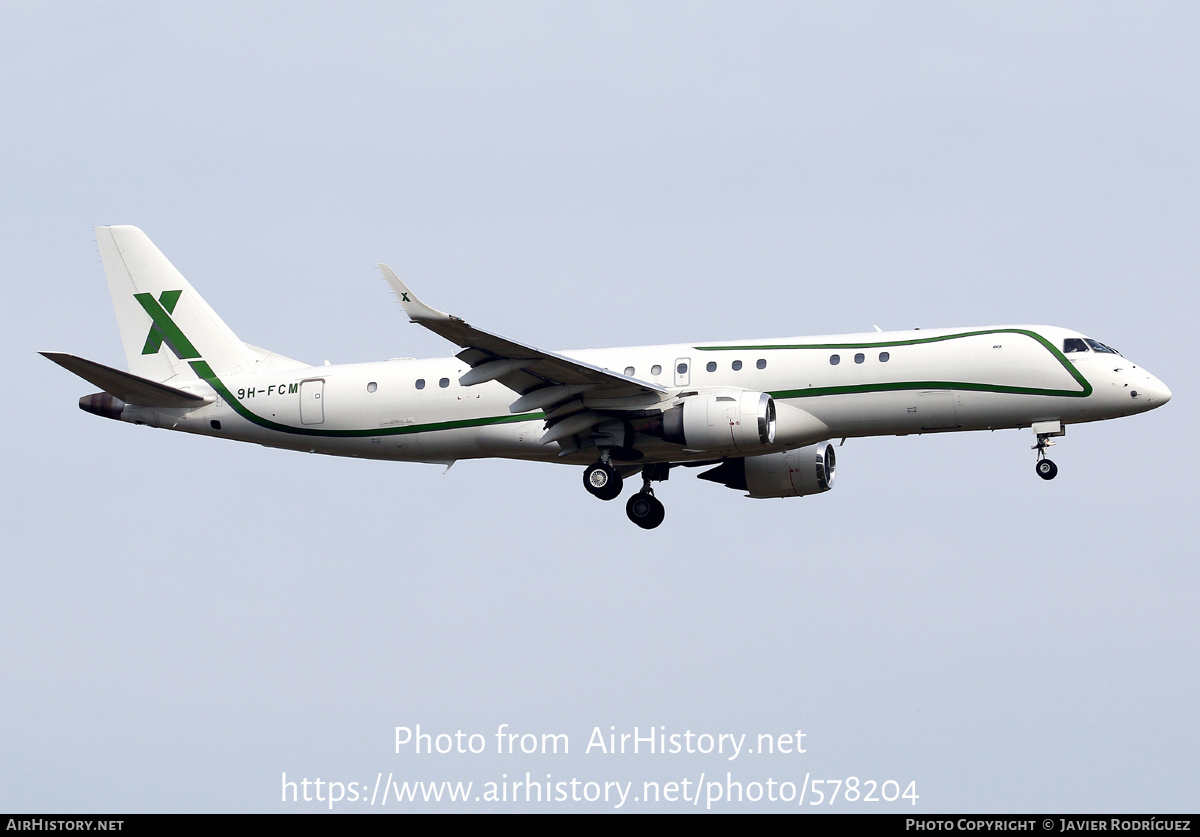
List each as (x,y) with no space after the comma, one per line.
(188,619)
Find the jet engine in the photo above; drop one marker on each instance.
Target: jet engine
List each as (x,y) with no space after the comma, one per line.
(721,420)
(736,419)
(793,473)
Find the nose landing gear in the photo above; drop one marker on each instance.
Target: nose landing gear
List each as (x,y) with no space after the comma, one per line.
(1044,430)
(1046,469)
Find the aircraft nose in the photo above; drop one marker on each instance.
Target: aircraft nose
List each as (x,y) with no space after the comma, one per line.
(1154,392)
(1162,395)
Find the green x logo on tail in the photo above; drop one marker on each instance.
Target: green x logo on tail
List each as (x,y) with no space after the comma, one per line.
(164,328)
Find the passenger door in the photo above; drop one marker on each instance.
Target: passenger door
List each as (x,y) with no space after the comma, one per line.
(312,409)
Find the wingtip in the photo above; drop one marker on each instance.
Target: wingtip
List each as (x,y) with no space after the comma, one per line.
(414,307)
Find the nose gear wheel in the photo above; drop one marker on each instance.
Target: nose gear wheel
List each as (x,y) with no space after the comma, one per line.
(1046,469)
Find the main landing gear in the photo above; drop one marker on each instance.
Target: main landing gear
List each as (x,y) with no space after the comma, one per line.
(644,509)
(602,480)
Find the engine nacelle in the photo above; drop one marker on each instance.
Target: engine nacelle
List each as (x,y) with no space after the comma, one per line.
(793,473)
(721,420)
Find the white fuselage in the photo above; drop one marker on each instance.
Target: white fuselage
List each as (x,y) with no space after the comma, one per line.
(873,384)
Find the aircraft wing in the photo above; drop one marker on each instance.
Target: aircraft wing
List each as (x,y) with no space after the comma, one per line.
(540,377)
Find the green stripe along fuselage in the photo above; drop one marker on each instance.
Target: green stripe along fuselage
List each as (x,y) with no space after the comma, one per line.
(205,372)
(1085,388)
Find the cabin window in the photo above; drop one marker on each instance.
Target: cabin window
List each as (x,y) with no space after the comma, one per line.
(420,383)
(681,369)
(737,366)
(860,357)
(834,360)
(761,364)
(371,387)
(215,424)
(656,369)
(884,357)
(711,367)
(629,371)
(444,382)
(1074,344)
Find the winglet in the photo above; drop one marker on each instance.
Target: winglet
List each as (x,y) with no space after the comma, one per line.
(417,310)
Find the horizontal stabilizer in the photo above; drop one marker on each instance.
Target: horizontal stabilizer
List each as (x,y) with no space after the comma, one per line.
(129,388)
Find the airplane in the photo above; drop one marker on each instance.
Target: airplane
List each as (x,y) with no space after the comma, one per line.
(760,414)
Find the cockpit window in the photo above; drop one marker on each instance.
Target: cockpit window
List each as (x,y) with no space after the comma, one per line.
(1074,344)
(1100,347)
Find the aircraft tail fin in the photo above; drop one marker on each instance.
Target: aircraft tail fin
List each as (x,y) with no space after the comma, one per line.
(164,323)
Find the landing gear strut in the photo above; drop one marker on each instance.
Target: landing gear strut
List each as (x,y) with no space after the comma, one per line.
(602,480)
(643,508)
